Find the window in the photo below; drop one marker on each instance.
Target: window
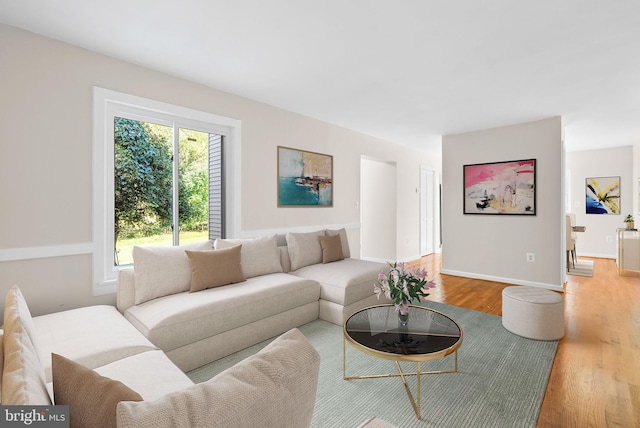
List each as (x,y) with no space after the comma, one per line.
(155,206)
(163,175)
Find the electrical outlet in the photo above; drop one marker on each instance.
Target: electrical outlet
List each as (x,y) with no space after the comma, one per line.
(609,238)
(531,257)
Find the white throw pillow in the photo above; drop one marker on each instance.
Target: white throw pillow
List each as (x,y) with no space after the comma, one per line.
(260,256)
(343,239)
(304,249)
(161,271)
(23,379)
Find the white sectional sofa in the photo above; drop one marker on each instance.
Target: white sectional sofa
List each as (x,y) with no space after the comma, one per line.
(180,308)
(287,285)
(112,375)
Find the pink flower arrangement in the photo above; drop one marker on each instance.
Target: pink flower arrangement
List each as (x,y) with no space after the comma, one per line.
(403,285)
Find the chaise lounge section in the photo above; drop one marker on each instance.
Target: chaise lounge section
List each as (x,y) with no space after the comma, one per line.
(346,284)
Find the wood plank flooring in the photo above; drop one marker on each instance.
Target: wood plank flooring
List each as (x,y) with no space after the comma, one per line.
(595,378)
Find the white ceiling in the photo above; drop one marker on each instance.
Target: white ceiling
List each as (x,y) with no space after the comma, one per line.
(408,71)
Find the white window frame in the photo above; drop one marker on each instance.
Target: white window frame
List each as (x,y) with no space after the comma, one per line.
(106,105)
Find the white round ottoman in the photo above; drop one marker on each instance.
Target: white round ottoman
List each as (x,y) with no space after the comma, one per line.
(534,313)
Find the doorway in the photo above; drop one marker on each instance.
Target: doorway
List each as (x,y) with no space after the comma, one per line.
(429,214)
(378,209)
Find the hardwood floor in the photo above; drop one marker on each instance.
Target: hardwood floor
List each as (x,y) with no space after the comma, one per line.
(595,378)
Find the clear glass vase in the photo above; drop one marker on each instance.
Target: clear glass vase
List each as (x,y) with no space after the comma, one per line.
(403,318)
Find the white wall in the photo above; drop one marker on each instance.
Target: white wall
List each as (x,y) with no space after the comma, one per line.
(46,157)
(379,209)
(494,247)
(599,240)
(636,181)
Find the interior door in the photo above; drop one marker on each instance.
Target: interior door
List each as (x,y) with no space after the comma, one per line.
(427,211)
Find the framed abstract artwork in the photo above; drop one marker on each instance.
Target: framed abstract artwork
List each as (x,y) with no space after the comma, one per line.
(603,195)
(500,188)
(305,179)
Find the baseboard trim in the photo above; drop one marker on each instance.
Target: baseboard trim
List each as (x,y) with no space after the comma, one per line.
(554,287)
(597,256)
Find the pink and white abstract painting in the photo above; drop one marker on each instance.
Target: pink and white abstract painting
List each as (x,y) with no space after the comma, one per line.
(500,188)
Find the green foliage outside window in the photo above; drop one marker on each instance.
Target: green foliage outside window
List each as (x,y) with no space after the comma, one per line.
(144,179)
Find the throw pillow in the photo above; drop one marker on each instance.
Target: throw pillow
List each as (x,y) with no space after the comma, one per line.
(259,256)
(215,268)
(274,388)
(304,249)
(161,271)
(331,248)
(343,237)
(23,379)
(92,398)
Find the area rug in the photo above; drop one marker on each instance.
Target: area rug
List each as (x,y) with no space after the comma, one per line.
(582,268)
(501,378)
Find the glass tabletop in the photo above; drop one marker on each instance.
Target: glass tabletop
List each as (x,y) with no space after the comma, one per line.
(428,333)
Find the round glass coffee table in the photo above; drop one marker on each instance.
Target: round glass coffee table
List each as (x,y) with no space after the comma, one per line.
(428,335)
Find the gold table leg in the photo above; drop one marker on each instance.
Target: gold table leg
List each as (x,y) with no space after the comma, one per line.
(418,373)
(416,406)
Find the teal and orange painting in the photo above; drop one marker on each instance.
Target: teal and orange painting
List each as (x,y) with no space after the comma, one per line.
(304,178)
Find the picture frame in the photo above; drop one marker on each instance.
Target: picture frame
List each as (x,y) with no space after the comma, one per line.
(500,188)
(602,195)
(305,179)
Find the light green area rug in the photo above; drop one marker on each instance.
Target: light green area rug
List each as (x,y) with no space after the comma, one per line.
(500,382)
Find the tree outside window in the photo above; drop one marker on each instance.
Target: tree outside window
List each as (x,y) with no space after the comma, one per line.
(144,161)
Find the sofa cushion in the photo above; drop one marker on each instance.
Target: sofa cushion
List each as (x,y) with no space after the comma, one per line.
(331,248)
(174,321)
(304,249)
(160,271)
(151,374)
(346,281)
(92,336)
(343,240)
(260,256)
(215,268)
(23,378)
(92,398)
(274,388)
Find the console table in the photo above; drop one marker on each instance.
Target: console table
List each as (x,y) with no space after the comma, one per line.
(628,251)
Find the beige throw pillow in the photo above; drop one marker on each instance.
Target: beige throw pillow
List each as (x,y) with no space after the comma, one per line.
(343,238)
(259,256)
(331,248)
(161,271)
(215,268)
(304,249)
(92,398)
